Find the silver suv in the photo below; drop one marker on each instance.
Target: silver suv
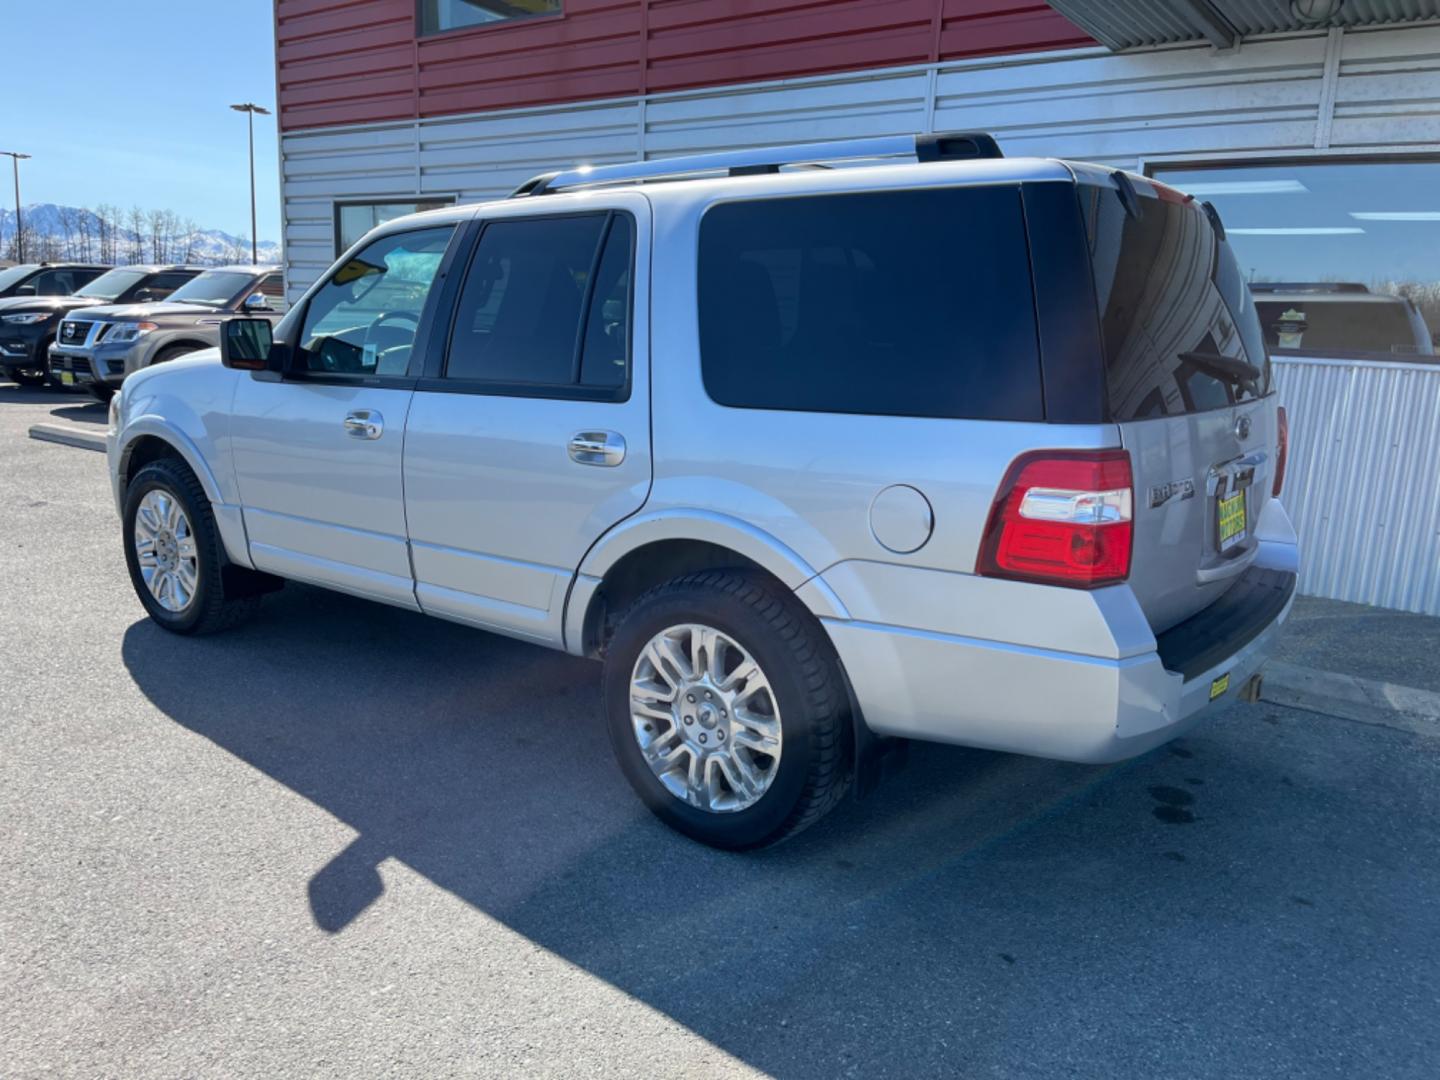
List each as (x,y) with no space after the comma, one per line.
(815,460)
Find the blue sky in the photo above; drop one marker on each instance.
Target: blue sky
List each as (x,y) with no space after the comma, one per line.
(128,102)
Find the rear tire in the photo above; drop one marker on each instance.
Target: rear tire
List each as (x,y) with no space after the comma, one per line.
(176,561)
(757,626)
(28,378)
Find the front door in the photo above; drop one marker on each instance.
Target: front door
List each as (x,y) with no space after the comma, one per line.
(530,434)
(318,454)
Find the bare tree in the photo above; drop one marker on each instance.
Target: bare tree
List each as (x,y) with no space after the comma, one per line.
(136,239)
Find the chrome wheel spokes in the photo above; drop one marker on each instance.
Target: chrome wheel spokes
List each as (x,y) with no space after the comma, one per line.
(165,548)
(705,718)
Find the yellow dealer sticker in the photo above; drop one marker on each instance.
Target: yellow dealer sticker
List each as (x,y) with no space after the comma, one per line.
(1219,686)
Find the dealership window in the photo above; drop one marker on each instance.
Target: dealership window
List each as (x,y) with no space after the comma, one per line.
(1343,258)
(354,220)
(437,16)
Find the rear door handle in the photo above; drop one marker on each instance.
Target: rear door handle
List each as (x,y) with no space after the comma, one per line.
(364,424)
(605,448)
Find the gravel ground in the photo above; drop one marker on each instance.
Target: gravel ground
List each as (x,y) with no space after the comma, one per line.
(345,840)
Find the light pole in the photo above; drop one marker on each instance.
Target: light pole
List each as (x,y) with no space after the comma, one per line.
(251,108)
(15,159)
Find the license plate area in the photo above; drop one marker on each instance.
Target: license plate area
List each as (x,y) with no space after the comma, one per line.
(1231,520)
(67,378)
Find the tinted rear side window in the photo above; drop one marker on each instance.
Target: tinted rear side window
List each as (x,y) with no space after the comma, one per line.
(912,303)
(1174,310)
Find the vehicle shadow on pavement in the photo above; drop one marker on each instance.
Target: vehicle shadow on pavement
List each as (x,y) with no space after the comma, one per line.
(84,411)
(973,901)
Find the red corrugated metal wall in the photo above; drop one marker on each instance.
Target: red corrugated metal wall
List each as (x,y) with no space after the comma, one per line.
(353,61)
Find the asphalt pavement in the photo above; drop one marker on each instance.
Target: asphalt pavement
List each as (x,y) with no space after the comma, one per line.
(345,840)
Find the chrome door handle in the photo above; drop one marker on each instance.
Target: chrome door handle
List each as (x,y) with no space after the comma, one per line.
(364,424)
(597,448)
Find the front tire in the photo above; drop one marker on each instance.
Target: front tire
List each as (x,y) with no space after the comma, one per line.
(27,378)
(173,551)
(102,393)
(726,709)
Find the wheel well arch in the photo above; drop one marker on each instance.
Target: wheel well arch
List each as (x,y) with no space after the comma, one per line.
(649,565)
(143,450)
(187,344)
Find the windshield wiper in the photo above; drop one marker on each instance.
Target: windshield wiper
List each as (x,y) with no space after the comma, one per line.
(1226,368)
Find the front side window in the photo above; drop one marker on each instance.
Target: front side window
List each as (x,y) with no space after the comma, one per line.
(363,320)
(162,285)
(354,220)
(907,303)
(437,16)
(546,303)
(1342,257)
(55,283)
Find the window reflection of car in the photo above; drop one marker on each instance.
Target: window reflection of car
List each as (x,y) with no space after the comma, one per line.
(1340,319)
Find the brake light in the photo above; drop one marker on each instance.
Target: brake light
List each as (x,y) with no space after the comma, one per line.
(1062,517)
(1282,453)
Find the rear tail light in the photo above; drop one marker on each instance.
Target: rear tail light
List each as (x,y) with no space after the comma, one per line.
(1062,517)
(1282,454)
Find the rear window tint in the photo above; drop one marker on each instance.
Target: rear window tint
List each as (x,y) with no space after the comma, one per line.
(1174,310)
(912,303)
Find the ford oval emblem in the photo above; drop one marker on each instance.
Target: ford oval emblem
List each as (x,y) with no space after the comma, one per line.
(1242,427)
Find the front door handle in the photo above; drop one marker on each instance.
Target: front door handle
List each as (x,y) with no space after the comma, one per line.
(597,448)
(364,424)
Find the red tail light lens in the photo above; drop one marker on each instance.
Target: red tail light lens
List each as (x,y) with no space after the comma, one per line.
(1282,453)
(1062,517)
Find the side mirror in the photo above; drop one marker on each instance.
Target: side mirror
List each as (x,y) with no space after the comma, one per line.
(25,290)
(245,344)
(257,302)
(143,296)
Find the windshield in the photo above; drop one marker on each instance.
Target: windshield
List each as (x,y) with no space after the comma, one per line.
(111,284)
(214,288)
(1316,324)
(15,275)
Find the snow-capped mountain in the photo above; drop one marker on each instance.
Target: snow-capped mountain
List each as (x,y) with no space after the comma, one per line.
(74,232)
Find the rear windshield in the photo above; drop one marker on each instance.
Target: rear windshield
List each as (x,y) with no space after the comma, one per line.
(907,303)
(1180,332)
(1322,324)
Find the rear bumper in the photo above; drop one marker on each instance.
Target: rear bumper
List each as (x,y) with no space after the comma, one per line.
(1056,703)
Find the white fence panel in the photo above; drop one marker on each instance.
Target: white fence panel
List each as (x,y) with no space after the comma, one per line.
(1363,486)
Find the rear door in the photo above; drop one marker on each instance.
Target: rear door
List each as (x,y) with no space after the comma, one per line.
(1189,385)
(530,434)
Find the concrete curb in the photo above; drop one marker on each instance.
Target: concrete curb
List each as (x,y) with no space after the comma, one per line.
(1404,708)
(68,436)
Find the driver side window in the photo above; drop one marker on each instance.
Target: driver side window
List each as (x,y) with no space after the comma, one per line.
(363,321)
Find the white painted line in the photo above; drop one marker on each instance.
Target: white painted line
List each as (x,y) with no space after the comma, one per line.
(1366,701)
(68,436)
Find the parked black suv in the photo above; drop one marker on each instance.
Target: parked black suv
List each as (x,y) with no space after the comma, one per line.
(28,322)
(47,278)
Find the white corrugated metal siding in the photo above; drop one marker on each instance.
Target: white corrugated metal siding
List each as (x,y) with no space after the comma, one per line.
(1363,485)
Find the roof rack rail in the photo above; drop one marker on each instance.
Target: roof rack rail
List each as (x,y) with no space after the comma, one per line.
(1308,286)
(940,146)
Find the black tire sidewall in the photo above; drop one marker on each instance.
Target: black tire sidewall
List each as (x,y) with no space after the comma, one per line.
(169,476)
(758,824)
